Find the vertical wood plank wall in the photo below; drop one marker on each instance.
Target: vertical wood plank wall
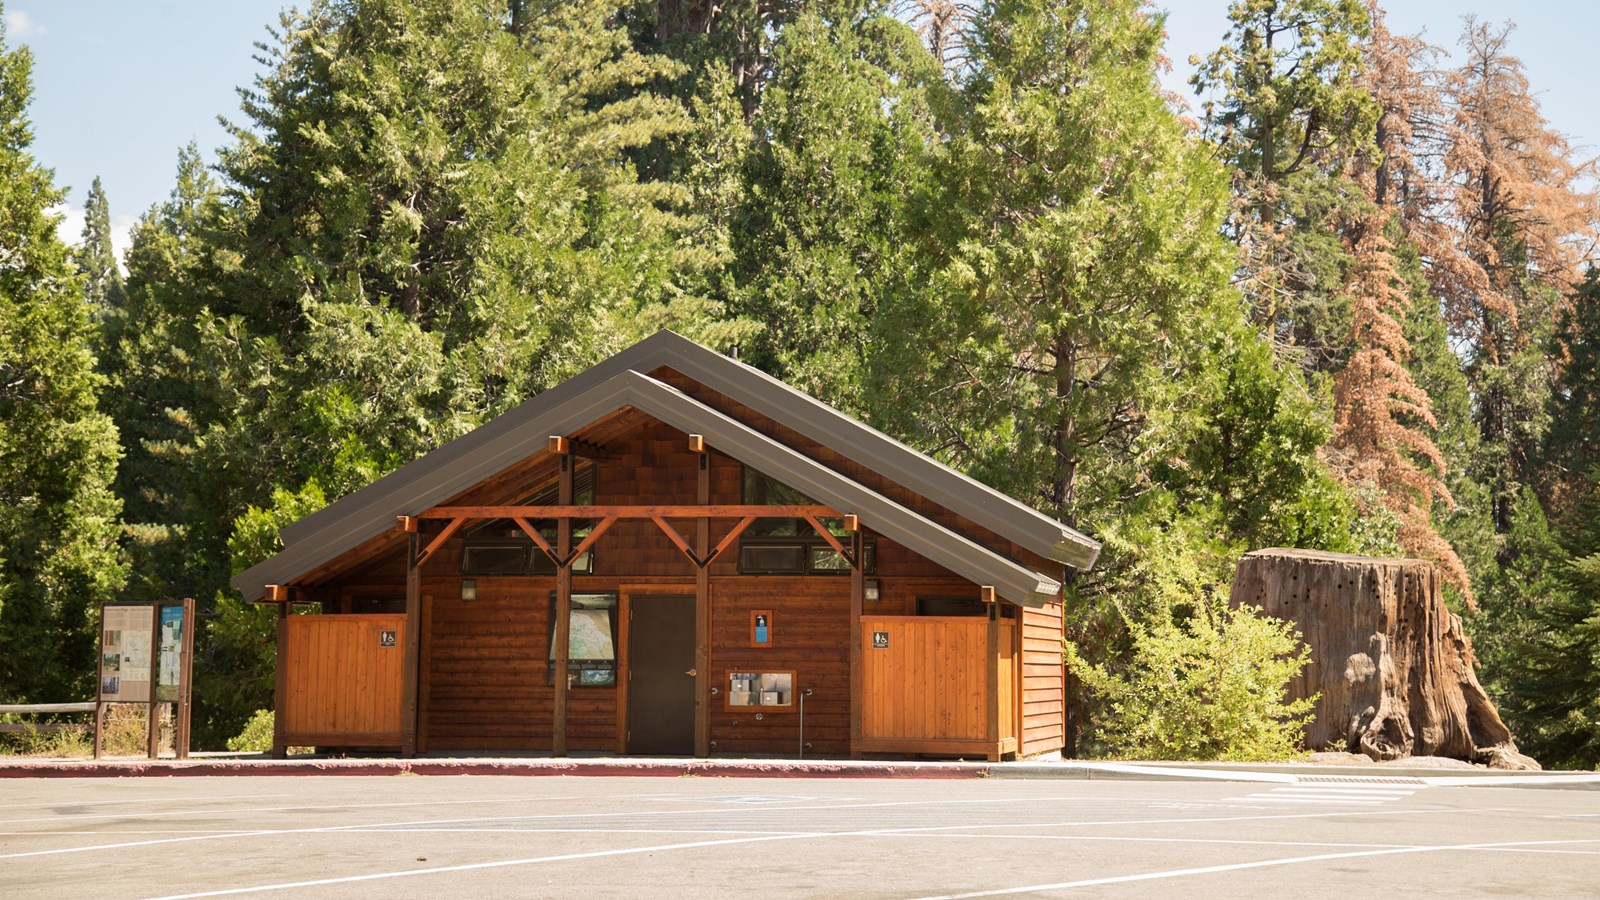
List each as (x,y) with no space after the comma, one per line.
(342,686)
(1007,673)
(930,685)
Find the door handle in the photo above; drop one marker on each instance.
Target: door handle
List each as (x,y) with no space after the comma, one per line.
(692,673)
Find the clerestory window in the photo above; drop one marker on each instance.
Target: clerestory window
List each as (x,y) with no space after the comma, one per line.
(499,547)
(783,545)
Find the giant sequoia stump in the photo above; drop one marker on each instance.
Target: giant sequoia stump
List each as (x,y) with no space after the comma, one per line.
(1390,661)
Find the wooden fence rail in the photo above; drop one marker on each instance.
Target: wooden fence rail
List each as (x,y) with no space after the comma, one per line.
(34,708)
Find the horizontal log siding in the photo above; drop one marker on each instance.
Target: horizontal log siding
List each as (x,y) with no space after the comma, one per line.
(1042,710)
(810,636)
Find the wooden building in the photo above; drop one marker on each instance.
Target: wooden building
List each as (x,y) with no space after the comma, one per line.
(672,554)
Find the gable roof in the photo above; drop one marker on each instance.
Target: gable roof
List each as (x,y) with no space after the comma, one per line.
(972,561)
(1026,527)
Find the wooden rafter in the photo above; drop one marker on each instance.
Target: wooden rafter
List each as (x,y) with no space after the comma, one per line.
(832,541)
(726,511)
(438,541)
(673,535)
(537,538)
(589,449)
(732,536)
(594,535)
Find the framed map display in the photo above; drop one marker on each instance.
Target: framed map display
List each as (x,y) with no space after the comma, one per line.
(591,640)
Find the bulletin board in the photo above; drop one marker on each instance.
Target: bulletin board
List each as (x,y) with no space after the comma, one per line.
(146,652)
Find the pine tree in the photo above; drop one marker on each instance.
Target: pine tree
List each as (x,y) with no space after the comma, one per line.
(58,557)
(1381,432)
(95,257)
(823,233)
(1521,221)
(159,396)
(1572,447)
(1291,114)
(1075,228)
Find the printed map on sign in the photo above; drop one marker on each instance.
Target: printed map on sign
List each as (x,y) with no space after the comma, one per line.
(591,635)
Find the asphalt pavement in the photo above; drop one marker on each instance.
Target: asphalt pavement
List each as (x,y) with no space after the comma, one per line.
(715,837)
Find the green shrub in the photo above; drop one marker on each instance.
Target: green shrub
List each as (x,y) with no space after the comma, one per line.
(1209,688)
(256,736)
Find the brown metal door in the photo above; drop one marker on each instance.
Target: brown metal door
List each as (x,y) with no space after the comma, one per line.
(660,676)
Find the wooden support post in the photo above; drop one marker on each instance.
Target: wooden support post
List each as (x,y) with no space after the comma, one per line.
(152,721)
(702,610)
(99,722)
(858,590)
(993,667)
(280,696)
(563,613)
(408,722)
(424,654)
(180,741)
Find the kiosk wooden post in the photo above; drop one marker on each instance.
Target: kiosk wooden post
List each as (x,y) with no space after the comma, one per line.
(152,726)
(180,741)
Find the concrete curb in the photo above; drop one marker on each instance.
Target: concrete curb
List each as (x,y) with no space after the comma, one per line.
(774,768)
(521,767)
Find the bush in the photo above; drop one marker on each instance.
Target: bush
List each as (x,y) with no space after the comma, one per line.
(256,736)
(1210,688)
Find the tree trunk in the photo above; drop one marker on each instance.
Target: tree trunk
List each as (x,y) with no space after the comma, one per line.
(1391,664)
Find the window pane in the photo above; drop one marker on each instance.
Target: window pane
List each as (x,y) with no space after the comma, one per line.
(762,489)
(772,558)
(492,559)
(827,559)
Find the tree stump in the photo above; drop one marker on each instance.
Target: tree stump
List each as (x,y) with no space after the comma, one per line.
(1393,669)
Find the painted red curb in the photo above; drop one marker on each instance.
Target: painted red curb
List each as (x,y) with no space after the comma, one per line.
(541,767)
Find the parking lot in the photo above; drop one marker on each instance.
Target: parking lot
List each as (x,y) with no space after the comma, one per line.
(473,836)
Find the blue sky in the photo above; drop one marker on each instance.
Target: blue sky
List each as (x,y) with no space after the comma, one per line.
(120,86)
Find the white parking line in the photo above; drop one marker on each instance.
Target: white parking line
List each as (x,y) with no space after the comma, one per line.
(1344,795)
(59,803)
(260,809)
(1258,864)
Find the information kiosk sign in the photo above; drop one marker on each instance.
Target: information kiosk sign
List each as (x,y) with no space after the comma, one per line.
(145,657)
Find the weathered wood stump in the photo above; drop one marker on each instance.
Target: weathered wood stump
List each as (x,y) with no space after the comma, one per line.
(1392,666)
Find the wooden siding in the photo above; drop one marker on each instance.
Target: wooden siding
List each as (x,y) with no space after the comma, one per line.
(931,682)
(1006,672)
(1042,698)
(341,685)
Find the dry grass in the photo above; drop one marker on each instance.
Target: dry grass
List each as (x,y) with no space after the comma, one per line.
(124,734)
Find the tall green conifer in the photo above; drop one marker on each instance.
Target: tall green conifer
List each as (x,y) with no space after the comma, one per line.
(95,257)
(822,238)
(433,212)
(58,555)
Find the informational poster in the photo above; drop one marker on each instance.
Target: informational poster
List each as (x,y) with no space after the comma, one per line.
(125,654)
(169,666)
